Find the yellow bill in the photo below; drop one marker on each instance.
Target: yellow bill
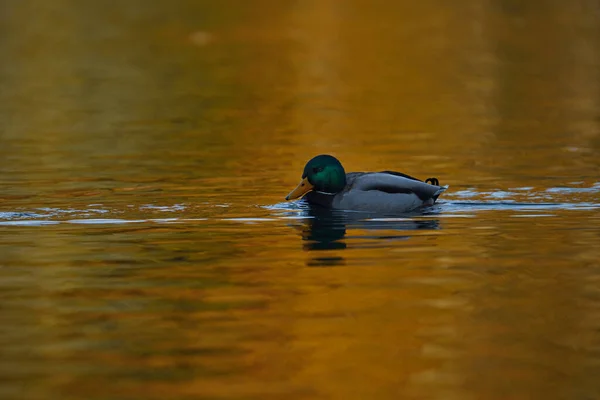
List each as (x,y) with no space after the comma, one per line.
(303,187)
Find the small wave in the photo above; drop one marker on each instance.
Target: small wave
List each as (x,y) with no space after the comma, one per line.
(28,222)
(470,206)
(524,201)
(173,208)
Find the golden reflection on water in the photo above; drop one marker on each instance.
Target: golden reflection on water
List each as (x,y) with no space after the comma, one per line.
(217,107)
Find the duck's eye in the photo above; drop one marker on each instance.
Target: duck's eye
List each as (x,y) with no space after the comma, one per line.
(317,169)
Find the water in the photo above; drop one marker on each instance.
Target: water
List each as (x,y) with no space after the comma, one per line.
(146,251)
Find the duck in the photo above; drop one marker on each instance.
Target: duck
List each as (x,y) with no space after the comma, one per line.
(325,183)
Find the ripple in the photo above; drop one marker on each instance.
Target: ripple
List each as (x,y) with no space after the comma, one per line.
(13,215)
(521,202)
(104,221)
(470,206)
(249,219)
(532,215)
(175,207)
(29,223)
(594,189)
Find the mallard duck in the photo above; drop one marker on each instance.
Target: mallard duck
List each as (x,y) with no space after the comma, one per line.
(325,183)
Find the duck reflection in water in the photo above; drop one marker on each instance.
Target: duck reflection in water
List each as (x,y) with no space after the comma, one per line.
(326,229)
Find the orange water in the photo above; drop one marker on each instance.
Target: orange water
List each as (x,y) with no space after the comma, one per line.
(146,251)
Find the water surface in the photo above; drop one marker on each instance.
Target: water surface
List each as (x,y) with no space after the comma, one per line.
(146,251)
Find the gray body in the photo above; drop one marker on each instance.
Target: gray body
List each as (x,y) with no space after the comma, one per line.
(382,192)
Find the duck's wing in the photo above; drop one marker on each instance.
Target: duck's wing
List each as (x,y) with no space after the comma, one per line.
(396,182)
(400,174)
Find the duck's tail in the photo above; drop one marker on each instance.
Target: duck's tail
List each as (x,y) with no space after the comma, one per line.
(441,190)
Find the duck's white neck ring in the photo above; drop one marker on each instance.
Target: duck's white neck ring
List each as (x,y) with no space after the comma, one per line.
(328,194)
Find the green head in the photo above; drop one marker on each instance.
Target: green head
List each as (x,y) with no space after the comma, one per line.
(323,173)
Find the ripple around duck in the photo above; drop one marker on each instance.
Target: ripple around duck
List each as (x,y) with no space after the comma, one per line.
(475,206)
(461,204)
